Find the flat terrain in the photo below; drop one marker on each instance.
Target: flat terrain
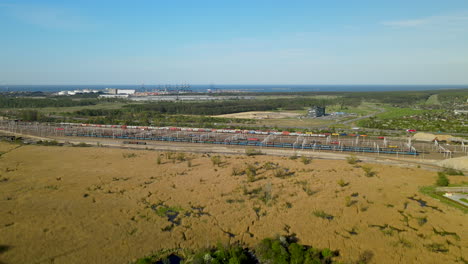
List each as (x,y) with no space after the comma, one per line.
(103,205)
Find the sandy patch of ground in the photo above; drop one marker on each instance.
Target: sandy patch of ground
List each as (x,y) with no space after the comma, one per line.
(100,205)
(421,136)
(460,163)
(260,115)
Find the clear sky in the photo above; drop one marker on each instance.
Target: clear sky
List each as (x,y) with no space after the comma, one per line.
(234,42)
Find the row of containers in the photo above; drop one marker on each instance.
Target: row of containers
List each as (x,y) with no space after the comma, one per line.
(231,131)
(253,142)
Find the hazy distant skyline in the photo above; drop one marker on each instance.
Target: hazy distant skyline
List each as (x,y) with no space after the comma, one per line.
(234,42)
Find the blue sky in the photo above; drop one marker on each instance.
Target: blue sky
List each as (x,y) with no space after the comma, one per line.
(234,42)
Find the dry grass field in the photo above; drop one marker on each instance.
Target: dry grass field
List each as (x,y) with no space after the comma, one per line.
(102,205)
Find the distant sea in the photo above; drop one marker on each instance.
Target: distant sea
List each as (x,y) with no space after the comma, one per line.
(244,87)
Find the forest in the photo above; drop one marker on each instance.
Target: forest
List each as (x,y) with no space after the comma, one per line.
(31,102)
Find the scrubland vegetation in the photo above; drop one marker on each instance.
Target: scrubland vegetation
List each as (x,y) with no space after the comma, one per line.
(237,203)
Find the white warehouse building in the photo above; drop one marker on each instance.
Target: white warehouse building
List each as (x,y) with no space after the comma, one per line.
(125,91)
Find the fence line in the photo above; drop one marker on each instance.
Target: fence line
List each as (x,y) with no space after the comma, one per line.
(452,189)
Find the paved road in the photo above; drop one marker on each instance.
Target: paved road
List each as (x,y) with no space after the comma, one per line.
(457,197)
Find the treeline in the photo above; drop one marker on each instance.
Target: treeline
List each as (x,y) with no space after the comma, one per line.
(27,115)
(27,102)
(236,106)
(400,99)
(411,98)
(145,118)
(282,250)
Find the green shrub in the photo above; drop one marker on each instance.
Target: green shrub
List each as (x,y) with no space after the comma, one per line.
(323,215)
(169,155)
(216,160)
(252,152)
(368,172)
(236,171)
(297,253)
(270,165)
(352,159)
(305,160)
(81,144)
(181,156)
(442,179)
(129,155)
(251,172)
(342,183)
(421,220)
(282,173)
(49,143)
(451,171)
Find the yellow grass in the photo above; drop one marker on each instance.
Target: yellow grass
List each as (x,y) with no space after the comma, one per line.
(95,205)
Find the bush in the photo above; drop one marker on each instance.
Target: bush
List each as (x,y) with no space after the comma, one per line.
(236,171)
(169,155)
(322,214)
(129,155)
(81,144)
(305,160)
(270,165)
(352,159)
(282,173)
(49,143)
(451,171)
(181,156)
(252,152)
(349,201)
(216,160)
(368,171)
(297,253)
(251,172)
(342,183)
(442,179)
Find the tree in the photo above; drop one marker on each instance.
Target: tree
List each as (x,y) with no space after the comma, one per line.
(30,115)
(297,253)
(442,179)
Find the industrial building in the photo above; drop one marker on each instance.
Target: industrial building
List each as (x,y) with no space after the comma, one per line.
(316,111)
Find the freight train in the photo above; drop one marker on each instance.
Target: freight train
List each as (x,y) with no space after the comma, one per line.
(214,130)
